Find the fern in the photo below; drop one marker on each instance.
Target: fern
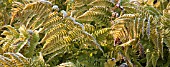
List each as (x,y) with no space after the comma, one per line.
(33,15)
(101,9)
(44,33)
(106,3)
(13,59)
(130,26)
(90,15)
(21,40)
(63,40)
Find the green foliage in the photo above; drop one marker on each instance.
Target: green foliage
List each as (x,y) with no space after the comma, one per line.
(88,33)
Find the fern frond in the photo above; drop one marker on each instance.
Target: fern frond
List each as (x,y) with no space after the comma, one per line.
(143,22)
(102,35)
(75,33)
(72,31)
(101,9)
(127,43)
(6,46)
(25,40)
(105,3)
(147,10)
(59,33)
(13,31)
(33,14)
(32,42)
(67,64)
(51,31)
(52,22)
(101,31)
(52,48)
(78,13)
(93,16)
(53,14)
(80,3)
(17,6)
(55,54)
(20,45)
(6,33)
(165,17)
(14,59)
(89,28)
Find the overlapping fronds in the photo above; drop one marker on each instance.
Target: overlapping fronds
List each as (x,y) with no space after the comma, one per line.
(79,7)
(125,26)
(32,19)
(62,34)
(17,59)
(37,32)
(94,10)
(52,22)
(5,8)
(57,37)
(97,10)
(137,23)
(13,59)
(32,15)
(166,35)
(15,41)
